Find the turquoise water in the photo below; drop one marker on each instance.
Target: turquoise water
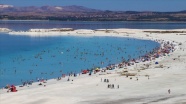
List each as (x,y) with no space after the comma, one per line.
(25,58)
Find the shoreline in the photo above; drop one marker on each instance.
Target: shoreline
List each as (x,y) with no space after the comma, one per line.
(90,32)
(132,33)
(84,31)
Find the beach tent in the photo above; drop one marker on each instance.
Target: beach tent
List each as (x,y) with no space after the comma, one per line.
(156,63)
(84,71)
(97,69)
(13,88)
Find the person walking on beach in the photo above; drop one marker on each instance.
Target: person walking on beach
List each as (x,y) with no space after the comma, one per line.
(169,91)
(112,85)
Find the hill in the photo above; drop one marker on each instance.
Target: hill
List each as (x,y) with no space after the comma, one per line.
(80,13)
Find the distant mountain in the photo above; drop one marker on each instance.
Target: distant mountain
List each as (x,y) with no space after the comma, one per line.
(74,8)
(80,13)
(5,6)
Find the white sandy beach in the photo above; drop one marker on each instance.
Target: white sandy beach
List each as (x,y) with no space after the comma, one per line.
(85,89)
(4,30)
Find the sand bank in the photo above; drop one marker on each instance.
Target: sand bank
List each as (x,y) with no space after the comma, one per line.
(5,30)
(150,85)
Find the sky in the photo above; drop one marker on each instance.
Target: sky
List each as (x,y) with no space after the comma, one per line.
(115,5)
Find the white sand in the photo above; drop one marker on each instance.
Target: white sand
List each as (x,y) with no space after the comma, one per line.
(90,90)
(4,30)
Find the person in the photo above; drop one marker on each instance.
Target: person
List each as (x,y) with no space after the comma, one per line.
(107,80)
(169,91)
(112,85)
(68,79)
(118,86)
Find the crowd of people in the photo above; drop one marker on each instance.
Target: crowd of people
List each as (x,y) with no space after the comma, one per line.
(165,48)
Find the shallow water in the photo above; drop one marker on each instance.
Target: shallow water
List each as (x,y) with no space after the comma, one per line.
(25,58)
